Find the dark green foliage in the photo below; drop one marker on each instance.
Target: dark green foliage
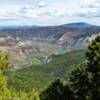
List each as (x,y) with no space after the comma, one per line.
(93,67)
(4,60)
(57,91)
(80,83)
(85,81)
(93,56)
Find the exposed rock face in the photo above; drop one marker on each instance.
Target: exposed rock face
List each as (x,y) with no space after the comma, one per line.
(7,41)
(75,40)
(68,36)
(18,50)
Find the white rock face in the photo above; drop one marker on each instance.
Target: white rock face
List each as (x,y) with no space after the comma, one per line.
(93,37)
(18,50)
(21,43)
(2,39)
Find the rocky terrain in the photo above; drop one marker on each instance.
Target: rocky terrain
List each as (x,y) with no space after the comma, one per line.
(18,50)
(40,42)
(69,36)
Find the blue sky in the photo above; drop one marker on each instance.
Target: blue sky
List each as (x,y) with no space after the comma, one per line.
(49,12)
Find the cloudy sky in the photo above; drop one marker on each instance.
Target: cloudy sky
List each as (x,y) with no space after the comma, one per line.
(49,12)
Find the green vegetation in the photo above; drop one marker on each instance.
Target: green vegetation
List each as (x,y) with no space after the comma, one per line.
(35,61)
(4,60)
(5,92)
(57,91)
(39,77)
(83,82)
(74,83)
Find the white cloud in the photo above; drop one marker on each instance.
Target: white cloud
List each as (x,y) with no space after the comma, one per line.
(41,4)
(89,9)
(88,1)
(51,12)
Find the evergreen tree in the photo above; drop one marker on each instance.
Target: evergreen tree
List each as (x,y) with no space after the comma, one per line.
(79,83)
(85,81)
(4,61)
(93,67)
(57,91)
(5,92)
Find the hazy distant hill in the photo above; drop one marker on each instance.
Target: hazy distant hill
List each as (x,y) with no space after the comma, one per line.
(80,25)
(73,35)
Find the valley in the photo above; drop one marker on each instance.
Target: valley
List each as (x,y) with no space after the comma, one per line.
(50,50)
(41,55)
(32,45)
(40,76)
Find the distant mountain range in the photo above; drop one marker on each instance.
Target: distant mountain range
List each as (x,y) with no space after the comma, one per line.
(15,27)
(69,25)
(73,35)
(79,25)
